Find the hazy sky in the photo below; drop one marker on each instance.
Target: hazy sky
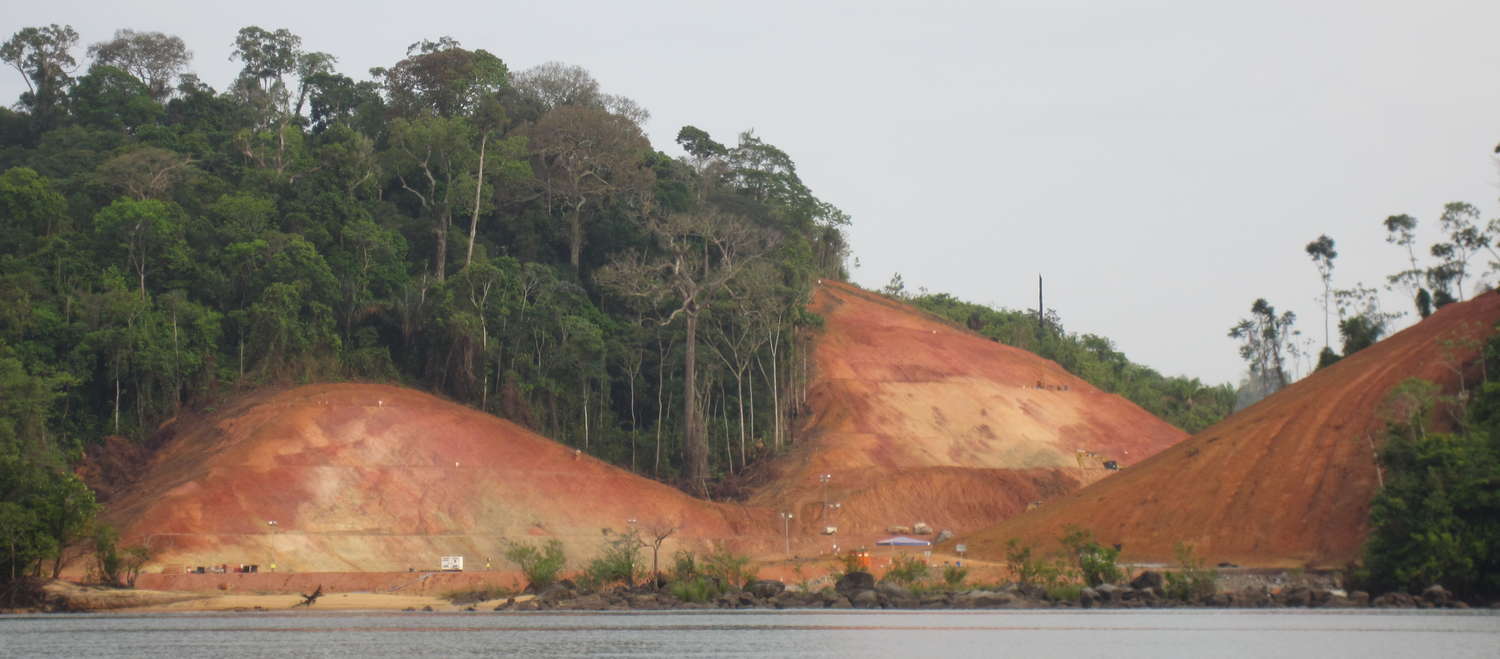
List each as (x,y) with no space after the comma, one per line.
(1162,164)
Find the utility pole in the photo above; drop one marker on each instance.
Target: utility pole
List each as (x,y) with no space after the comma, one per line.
(1041,321)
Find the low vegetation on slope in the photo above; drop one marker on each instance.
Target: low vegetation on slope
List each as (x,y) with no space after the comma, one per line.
(1181,401)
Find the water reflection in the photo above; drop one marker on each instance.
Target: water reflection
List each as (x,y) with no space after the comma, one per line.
(763,634)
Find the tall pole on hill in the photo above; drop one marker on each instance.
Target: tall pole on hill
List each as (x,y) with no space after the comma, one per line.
(1040,319)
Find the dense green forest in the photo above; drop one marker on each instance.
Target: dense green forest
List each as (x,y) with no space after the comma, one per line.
(510,240)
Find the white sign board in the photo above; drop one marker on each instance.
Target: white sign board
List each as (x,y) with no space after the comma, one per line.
(962,548)
(453,563)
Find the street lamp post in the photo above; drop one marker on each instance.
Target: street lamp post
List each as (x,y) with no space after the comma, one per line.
(786,531)
(274,526)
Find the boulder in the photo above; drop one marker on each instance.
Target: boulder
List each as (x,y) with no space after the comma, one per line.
(1149,580)
(893,596)
(1088,598)
(944,535)
(589,602)
(766,588)
(645,602)
(828,596)
(1110,592)
(898,529)
(865,599)
(935,601)
(787,599)
(921,528)
(1252,598)
(854,582)
(1394,600)
(1437,595)
(1359,598)
(843,602)
(983,599)
(556,592)
(1296,596)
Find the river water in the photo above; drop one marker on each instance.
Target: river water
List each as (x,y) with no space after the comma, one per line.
(1072,634)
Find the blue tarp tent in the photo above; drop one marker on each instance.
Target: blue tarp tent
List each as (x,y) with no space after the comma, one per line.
(903,541)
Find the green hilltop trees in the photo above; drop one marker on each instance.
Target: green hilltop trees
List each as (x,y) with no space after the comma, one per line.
(446,224)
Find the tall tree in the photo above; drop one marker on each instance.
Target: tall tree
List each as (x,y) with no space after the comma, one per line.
(431,158)
(1401,230)
(586,156)
(441,78)
(44,57)
(1322,254)
(1459,221)
(153,58)
(269,57)
(1264,338)
(700,251)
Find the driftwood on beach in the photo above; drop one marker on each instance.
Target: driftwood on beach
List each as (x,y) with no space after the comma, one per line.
(307,600)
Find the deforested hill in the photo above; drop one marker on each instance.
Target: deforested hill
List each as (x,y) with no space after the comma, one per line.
(1286,482)
(914,420)
(362,478)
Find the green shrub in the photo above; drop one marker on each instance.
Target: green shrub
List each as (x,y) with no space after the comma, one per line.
(107,559)
(1027,568)
(906,569)
(849,563)
(1190,582)
(954,575)
(1096,563)
(731,569)
(541,565)
(619,561)
(697,589)
(684,565)
(1064,592)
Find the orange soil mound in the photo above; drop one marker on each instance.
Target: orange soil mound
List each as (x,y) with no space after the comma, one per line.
(379,478)
(1285,482)
(917,421)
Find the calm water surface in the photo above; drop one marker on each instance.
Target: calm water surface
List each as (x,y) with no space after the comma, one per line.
(1178,633)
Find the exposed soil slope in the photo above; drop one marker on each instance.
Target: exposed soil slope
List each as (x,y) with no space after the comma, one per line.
(379,478)
(1285,482)
(915,420)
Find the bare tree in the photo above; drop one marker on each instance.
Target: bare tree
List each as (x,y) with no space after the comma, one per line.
(657,532)
(740,330)
(700,252)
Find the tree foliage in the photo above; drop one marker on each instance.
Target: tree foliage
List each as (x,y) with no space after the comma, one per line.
(164,244)
(1435,519)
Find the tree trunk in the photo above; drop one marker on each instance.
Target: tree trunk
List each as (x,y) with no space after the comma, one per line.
(739,397)
(440,268)
(694,445)
(117,401)
(478,186)
(575,236)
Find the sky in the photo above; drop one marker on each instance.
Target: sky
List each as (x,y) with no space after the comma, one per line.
(1161,164)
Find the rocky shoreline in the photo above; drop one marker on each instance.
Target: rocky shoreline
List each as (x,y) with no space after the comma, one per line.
(860,591)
